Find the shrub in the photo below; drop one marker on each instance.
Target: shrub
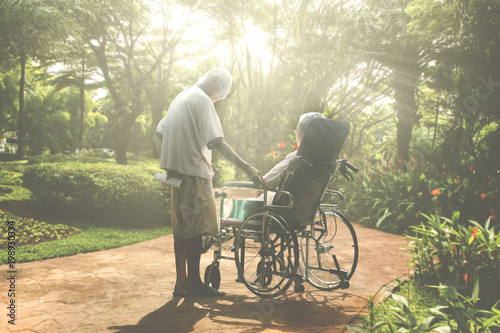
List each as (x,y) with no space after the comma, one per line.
(83,157)
(9,157)
(448,252)
(387,197)
(224,171)
(114,194)
(11,181)
(457,315)
(29,231)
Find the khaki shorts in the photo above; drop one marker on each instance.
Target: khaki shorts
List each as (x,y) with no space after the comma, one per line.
(192,208)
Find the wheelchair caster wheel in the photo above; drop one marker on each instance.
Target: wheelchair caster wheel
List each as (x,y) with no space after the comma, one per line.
(299,288)
(344,284)
(212,276)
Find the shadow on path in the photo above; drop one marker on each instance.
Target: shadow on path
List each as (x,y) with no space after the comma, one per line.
(245,314)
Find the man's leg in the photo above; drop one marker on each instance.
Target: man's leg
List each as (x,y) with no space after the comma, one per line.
(180,264)
(193,256)
(195,284)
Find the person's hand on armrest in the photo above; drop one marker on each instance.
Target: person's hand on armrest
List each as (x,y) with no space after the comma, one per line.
(254,175)
(228,152)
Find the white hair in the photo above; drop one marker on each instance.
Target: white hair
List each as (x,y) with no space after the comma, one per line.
(222,74)
(306,118)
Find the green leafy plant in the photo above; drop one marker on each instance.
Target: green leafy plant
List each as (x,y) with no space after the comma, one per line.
(449,252)
(29,231)
(459,314)
(391,196)
(456,315)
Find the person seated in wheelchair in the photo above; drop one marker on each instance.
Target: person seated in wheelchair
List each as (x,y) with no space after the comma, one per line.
(272,179)
(240,208)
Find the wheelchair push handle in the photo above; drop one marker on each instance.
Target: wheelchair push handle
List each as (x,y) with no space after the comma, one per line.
(344,165)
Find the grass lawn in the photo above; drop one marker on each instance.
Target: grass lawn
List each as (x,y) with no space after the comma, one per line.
(90,239)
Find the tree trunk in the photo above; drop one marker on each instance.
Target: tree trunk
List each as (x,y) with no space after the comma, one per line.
(21,130)
(156,115)
(82,104)
(405,83)
(406,113)
(124,130)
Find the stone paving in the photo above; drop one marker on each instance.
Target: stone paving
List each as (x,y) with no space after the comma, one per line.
(129,289)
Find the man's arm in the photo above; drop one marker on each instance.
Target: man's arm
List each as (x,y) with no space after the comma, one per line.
(228,153)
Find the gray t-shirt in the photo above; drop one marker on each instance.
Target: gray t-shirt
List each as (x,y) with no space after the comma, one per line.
(188,132)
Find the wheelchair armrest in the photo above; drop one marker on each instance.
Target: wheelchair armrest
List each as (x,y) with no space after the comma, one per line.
(241,184)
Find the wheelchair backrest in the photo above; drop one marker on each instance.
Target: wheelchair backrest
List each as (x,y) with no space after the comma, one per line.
(309,174)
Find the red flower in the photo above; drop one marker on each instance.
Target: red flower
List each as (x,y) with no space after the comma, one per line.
(435,192)
(465,278)
(471,167)
(483,196)
(491,217)
(295,147)
(474,232)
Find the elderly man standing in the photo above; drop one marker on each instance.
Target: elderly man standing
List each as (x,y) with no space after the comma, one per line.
(184,140)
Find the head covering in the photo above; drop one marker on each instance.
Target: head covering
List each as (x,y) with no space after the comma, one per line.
(223,75)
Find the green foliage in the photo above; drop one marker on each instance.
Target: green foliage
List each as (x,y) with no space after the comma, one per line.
(29,231)
(114,194)
(390,198)
(460,315)
(224,171)
(385,197)
(10,182)
(443,250)
(82,157)
(425,312)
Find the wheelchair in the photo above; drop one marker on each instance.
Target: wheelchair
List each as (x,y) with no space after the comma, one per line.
(298,235)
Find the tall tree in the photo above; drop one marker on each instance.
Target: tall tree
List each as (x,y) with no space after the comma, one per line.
(466,47)
(120,38)
(29,29)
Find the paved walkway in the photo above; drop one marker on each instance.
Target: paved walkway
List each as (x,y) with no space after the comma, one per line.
(129,289)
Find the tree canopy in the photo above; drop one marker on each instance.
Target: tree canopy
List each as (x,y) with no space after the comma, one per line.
(415,78)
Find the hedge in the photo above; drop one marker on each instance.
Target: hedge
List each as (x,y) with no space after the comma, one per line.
(111,194)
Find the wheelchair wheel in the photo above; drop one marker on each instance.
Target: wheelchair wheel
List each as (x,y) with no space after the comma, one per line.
(212,276)
(329,251)
(266,253)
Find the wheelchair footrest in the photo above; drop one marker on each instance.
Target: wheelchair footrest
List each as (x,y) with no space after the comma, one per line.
(340,273)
